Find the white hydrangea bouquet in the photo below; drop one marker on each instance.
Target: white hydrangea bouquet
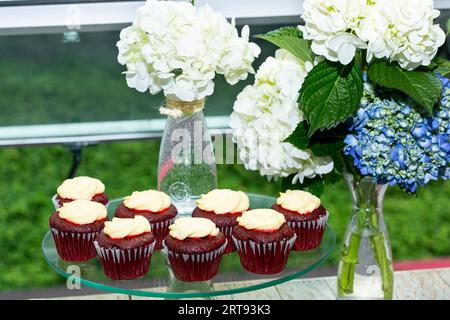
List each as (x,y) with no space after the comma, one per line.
(357,91)
(295,120)
(177,48)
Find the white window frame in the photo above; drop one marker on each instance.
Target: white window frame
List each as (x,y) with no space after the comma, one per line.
(95,132)
(102,16)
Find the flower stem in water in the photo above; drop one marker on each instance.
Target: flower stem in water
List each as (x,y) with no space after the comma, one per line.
(349,260)
(378,243)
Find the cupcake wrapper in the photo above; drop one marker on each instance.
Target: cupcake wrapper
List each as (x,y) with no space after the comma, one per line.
(57,206)
(75,247)
(194,267)
(120,264)
(309,233)
(264,258)
(160,231)
(227,231)
(55,202)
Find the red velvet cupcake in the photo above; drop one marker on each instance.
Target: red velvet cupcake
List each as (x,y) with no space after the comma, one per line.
(194,248)
(305,215)
(74,228)
(222,206)
(263,241)
(125,248)
(155,206)
(80,188)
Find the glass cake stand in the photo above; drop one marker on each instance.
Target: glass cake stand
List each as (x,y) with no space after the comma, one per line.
(160,282)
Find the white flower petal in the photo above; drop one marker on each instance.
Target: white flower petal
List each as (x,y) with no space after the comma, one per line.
(346,53)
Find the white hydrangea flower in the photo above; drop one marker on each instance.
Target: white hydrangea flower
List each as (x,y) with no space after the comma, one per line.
(402,31)
(327,24)
(266,113)
(176,48)
(237,58)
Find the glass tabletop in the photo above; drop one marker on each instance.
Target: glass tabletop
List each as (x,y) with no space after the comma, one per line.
(160,282)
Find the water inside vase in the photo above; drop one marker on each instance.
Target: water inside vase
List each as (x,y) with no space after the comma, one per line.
(365,266)
(367,280)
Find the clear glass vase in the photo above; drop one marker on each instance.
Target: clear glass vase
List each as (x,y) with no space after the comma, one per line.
(365,265)
(187,167)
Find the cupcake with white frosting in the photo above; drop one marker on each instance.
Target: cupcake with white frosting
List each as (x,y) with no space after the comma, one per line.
(80,188)
(155,206)
(263,240)
(305,214)
(194,248)
(125,247)
(75,226)
(223,207)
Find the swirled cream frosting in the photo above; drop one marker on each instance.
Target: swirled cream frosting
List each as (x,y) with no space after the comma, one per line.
(222,201)
(149,200)
(80,188)
(261,219)
(120,228)
(298,201)
(82,211)
(189,227)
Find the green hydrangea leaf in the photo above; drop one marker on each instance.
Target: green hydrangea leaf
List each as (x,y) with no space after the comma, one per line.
(290,39)
(424,87)
(322,143)
(299,138)
(443,67)
(327,149)
(330,94)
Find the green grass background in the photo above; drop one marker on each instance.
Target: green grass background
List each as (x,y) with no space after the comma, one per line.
(46,81)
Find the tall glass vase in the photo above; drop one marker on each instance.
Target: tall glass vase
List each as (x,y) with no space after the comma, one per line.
(187,166)
(365,266)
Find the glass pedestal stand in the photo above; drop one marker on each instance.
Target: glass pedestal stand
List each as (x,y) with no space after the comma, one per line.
(160,283)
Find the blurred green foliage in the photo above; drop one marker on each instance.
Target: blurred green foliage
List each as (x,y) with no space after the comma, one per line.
(419,227)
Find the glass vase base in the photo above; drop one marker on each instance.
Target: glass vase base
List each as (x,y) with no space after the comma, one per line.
(185,207)
(365,266)
(365,288)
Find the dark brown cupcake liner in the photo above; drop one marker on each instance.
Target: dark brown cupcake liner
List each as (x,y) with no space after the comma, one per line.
(266,257)
(75,246)
(160,230)
(192,267)
(309,233)
(125,264)
(227,231)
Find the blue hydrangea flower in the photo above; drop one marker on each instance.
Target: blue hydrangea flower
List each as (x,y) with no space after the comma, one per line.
(397,145)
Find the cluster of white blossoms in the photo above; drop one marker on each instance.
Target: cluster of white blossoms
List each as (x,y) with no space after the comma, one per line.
(398,30)
(266,113)
(177,48)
